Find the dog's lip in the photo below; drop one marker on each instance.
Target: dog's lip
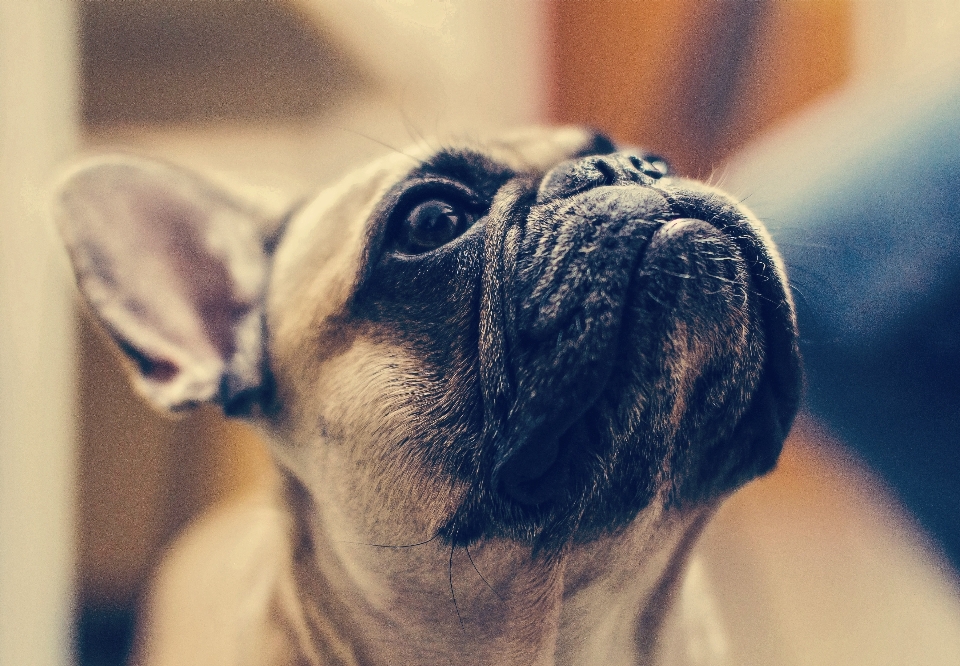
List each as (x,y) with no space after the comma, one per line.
(532,477)
(539,484)
(535,475)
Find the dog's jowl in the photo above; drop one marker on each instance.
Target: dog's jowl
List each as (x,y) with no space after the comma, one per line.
(506,384)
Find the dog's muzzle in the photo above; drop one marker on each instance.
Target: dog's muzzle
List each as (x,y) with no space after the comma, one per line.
(625,296)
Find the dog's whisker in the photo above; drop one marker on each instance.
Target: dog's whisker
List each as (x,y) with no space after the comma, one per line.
(390,545)
(413,131)
(485,581)
(719,175)
(453,594)
(382,143)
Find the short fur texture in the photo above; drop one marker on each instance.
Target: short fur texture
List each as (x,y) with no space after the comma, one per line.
(542,354)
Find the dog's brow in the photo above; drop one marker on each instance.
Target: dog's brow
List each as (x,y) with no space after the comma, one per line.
(475,170)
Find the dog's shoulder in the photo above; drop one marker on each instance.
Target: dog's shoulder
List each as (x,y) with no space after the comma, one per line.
(215,597)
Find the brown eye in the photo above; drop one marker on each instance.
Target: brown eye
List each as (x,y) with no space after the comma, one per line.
(431,224)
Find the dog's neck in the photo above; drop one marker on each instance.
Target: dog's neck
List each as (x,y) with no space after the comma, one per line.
(372,603)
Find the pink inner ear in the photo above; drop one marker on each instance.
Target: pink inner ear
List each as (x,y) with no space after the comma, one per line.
(204,279)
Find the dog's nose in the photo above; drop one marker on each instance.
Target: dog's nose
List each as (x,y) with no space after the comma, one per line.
(578,175)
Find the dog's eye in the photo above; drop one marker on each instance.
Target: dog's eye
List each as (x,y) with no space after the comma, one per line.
(432,223)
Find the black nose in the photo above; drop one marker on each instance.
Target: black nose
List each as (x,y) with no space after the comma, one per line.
(578,175)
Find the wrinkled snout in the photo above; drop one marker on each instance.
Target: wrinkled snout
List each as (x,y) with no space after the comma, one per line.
(636,338)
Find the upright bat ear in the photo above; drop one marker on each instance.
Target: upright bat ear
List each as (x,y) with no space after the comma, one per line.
(175,268)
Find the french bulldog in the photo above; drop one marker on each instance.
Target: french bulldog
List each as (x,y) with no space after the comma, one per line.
(506,384)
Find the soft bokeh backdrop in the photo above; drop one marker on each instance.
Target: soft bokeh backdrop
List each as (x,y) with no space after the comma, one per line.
(282,97)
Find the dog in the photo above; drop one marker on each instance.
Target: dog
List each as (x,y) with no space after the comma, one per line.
(506,385)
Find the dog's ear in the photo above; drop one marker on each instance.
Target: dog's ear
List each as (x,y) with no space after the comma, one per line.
(175,268)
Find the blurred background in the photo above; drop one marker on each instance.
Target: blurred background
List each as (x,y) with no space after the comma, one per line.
(768,99)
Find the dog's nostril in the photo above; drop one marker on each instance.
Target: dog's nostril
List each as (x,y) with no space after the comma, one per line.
(606,170)
(655,167)
(578,175)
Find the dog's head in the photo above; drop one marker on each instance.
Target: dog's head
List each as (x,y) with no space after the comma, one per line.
(535,338)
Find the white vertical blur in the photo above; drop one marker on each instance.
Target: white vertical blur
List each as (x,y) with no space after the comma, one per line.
(37,129)
(917,38)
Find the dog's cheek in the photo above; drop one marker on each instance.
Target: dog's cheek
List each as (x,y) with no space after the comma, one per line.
(429,306)
(723,334)
(315,269)
(361,447)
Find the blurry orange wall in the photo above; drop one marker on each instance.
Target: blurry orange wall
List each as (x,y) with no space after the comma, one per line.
(693,80)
